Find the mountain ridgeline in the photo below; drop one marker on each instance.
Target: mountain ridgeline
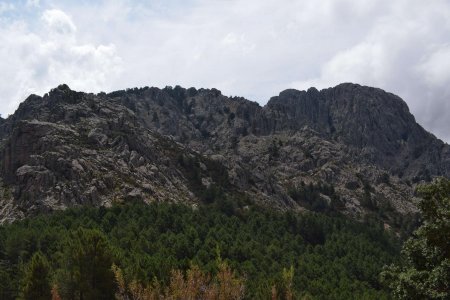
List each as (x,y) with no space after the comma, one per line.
(350,149)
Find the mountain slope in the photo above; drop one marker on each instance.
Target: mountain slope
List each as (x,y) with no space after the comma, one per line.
(350,148)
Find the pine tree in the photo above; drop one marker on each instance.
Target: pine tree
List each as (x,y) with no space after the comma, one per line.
(88,267)
(36,280)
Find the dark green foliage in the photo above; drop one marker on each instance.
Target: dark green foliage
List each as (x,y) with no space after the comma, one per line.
(408,223)
(425,271)
(333,257)
(8,288)
(380,208)
(36,285)
(86,271)
(193,171)
(310,197)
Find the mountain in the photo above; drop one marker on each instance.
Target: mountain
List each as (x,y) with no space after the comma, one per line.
(352,149)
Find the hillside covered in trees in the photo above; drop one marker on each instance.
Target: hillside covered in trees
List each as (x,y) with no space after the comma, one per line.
(132,249)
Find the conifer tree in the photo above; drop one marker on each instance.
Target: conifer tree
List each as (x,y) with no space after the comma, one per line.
(36,280)
(87,272)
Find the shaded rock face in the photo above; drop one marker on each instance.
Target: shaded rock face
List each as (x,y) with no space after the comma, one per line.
(377,123)
(70,148)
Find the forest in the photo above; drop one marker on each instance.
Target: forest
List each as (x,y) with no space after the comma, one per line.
(102,253)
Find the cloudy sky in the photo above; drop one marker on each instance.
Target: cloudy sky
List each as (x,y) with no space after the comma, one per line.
(250,48)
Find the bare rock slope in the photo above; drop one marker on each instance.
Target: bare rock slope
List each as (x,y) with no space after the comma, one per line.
(350,148)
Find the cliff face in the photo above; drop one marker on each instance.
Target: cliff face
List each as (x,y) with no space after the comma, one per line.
(70,148)
(368,119)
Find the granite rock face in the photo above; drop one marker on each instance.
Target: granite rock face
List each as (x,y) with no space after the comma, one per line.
(69,148)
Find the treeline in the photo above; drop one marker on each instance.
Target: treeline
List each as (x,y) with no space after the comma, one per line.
(103,253)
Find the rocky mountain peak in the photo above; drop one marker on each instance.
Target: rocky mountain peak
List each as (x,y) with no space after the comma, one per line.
(175,144)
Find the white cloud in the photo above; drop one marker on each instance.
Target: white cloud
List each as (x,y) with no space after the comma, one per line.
(58,22)
(37,61)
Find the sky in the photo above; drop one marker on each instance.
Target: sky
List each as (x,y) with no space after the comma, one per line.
(248,48)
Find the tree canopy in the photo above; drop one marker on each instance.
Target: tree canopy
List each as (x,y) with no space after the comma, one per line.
(425,269)
(285,254)
(36,284)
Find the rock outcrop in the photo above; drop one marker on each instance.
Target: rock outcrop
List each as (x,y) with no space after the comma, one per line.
(69,148)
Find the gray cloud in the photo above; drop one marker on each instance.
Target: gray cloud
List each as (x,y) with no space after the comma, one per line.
(250,48)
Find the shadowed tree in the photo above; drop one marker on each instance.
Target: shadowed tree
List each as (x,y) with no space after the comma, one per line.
(425,273)
(36,280)
(87,272)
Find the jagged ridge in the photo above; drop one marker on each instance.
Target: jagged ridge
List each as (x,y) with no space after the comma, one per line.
(69,148)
